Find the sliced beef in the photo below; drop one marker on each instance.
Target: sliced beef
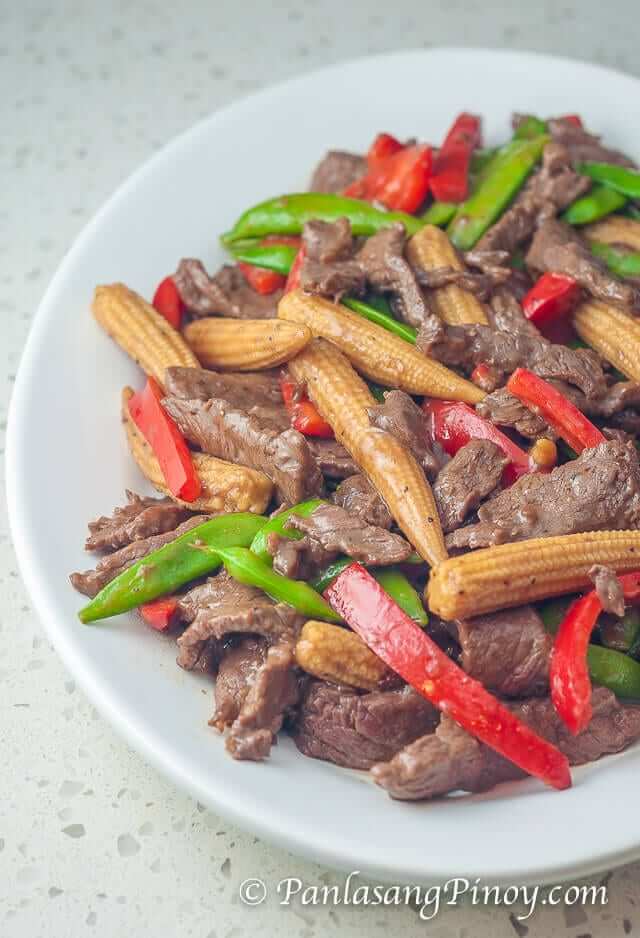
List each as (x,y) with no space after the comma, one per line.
(621,399)
(336,171)
(582,146)
(273,692)
(303,559)
(547,192)
(331,458)
(92,581)
(505,410)
(360,498)
(506,315)
(140,518)
(329,266)
(339,532)
(507,651)
(452,760)
(222,606)
(608,588)
(463,484)
(226,294)
(341,725)
(400,416)
(241,660)
(558,248)
(387,270)
(598,491)
(231,433)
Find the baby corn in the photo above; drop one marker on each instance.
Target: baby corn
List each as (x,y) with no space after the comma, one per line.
(225,487)
(141,331)
(429,249)
(338,655)
(247,344)
(615,230)
(612,333)
(342,398)
(376,353)
(511,574)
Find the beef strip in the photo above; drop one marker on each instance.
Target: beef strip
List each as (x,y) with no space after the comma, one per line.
(548,191)
(92,581)
(507,651)
(338,532)
(400,416)
(623,397)
(329,266)
(273,692)
(506,315)
(608,588)
(598,491)
(222,606)
(331,458)
(140,518)
(558,248)
(387,270)
(360,498)
(341,725)
(336,171)
(453,760)
(230,433)
(299,560)
(463,484)
(505,410)
(242,658)
(227,294)
(583,146)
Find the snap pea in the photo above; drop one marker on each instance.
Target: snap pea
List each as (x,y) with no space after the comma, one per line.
(621,263)
(631,211)
(530,128)
(277,257)
(408,333)
(439,213)
(287,214)
(246,567)
(626,181)
(392,580)
(277,526)
(597,203)
(188,557)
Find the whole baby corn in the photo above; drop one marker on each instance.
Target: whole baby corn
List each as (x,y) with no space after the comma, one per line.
(375,352)
(335,654)
(141,331)
(245,345)
(612,333)
(225,487)
(512,574)
(342,398)
(429,249)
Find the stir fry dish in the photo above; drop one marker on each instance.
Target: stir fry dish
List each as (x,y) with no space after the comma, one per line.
(395,441)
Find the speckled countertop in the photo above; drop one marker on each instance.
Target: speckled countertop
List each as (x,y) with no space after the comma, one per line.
(92,840)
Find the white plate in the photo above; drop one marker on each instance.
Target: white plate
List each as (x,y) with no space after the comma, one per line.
(67,462)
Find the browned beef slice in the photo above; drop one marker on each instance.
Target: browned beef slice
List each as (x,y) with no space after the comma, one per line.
(558,248)
(92,581)
(401,417)
(387,270)
(241,660)
(598,491)
(608,588)
(339,532)
(227,294)
(329,266)
(548,191)
(620,398)
(141,517)
(507,651)
(359,497)
(583,146)
(356,730)
(272,693)
(336,171)
(229,432)
(222,606)
(506,314)
(452,760)
(331,458)
(299,560)
(465,481)
(504,409)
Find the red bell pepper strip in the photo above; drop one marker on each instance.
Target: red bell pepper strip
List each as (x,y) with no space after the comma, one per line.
(569,670)
(453,424)
(550,299)
(400,182)
(304,415)
(565,418)
(573,119)
(262,280)
(409,651)
(167,300)
(450,179)
(160,614)
(384,146)
(166,441)
(293,280)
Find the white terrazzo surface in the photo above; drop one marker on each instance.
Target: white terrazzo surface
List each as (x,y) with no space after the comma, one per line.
(93,841)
